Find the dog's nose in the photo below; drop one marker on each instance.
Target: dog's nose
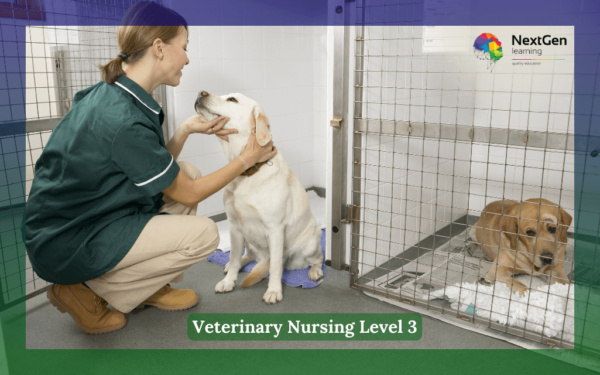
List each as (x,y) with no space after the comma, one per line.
(547,258)
(201,95)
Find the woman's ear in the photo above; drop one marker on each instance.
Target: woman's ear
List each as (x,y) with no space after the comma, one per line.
(263,135)
(158,48)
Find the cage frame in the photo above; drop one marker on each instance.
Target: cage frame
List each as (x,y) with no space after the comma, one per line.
(473,134)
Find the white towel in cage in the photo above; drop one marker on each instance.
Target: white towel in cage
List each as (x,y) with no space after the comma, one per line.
(543,308)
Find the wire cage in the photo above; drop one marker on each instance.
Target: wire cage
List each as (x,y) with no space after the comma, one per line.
(437,138)
(59,62)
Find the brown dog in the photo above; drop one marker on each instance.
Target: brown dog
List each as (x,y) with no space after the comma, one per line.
(528,237)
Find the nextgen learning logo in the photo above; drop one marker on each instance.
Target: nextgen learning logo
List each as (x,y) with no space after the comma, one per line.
(488,47)
(546,40)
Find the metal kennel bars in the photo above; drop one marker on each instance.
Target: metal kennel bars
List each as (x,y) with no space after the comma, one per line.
(437,137)
(59,62)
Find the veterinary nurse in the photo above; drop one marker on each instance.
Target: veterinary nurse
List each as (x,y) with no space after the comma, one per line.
(111,216)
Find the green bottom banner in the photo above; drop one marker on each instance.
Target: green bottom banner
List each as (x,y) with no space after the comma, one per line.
(289,327)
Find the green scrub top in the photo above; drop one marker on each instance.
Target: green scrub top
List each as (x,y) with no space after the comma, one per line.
(97,183)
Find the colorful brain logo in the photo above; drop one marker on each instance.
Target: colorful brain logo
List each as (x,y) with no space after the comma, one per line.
(488,47)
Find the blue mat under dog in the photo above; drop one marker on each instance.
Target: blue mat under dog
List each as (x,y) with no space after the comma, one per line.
(291,278)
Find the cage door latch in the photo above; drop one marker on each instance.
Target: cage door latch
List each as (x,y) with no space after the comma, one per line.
(336,122)
(351,214)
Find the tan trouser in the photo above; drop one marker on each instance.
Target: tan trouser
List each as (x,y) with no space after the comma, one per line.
(167,246)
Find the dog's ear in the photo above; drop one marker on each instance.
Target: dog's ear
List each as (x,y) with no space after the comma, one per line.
(260,122)
(564,222)
(510,224)
(565,219)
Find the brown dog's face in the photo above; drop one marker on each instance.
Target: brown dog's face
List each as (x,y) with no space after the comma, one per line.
(542,230)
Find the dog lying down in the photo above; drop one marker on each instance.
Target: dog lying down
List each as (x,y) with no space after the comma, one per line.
(267,207)
(523,238)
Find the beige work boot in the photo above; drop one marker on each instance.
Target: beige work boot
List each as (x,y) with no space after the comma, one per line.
(171,299)
(87,308)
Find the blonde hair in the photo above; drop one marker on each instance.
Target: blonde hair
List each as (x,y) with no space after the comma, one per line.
(139,29)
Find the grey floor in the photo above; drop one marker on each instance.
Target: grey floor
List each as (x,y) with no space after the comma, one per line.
(156,329)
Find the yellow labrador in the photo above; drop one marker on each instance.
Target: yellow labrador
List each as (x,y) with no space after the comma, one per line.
(268,210)
(528,237)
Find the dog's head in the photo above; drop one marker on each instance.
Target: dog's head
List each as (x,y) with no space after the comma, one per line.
(537,228)
(245,115)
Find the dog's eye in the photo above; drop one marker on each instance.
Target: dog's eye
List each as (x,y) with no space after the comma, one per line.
(552,229)
(530,232)
(232,99)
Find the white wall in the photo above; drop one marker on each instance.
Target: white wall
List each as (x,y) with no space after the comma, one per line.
(282,68)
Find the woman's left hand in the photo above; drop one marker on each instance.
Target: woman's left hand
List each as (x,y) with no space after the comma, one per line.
(195,124)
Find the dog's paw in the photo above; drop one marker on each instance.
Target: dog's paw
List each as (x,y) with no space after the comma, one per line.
(224,286)
(315,273)
(272,297)
(226,269)
(519,290)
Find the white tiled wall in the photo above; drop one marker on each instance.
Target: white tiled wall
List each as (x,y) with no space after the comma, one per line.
(282,68)
(425,184)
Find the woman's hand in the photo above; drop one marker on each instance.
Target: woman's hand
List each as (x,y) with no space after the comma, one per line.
(254,153)
(195,124)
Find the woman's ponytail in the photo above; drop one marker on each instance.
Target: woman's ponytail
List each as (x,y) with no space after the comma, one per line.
(112,71)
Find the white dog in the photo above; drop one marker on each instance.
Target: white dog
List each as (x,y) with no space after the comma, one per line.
(267,209)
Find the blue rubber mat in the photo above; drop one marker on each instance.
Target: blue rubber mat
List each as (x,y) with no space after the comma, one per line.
(291,278)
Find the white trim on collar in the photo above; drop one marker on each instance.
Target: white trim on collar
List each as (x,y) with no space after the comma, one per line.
(135,96)
(158,175)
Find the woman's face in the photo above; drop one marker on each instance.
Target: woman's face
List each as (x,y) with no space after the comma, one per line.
(175,58)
